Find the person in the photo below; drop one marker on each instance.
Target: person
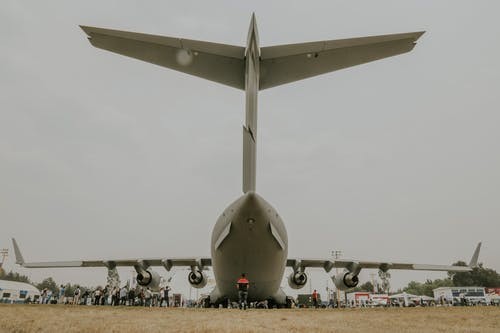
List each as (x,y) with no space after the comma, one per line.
(148,296)
(315,298)
(131,297)
(141,297)
(43,299)
(162,296)
(85,296)
(61,294)
(242,286)
(76,298)
(115,295)
(97,296)
(167,289)
(123,295)
(105,295)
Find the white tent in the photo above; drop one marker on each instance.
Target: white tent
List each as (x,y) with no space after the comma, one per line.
(17,292)
(403,296)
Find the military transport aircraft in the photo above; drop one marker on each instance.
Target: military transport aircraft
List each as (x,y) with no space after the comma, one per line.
(250,235)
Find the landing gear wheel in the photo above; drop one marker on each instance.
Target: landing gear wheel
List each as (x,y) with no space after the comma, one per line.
(206,302)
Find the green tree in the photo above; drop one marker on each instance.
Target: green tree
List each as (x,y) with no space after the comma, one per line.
(386,284)
(479,276)
(12,276)
(69,290)
(427,287)
(50,284)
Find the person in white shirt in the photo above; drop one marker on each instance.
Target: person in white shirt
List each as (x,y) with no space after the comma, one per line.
(123,296)
(76,298)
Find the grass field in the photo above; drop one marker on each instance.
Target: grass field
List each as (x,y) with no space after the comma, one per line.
(61,318)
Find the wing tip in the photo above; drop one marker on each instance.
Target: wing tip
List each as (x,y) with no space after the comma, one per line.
(418,34)
(87,29)
(475,256)
(17,253)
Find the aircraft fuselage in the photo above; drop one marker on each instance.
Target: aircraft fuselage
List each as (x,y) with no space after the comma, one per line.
(250,237)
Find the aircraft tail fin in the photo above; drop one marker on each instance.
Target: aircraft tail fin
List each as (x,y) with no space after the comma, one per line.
(249,160)
(17,252)
(475,256)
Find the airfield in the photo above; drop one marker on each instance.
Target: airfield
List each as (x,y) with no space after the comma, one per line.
(61,318)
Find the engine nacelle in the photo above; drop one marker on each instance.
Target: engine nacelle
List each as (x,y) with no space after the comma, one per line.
(297,280)
(197,279)
(345,280)
(149,278)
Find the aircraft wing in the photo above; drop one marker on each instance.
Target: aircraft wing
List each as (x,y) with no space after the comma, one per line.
(351,265)
(221,63)
(287,63)
(168,263)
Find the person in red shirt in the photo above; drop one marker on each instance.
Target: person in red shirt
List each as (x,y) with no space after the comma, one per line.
(242,286)
(315,298)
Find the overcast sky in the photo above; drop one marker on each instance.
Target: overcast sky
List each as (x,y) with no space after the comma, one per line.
(103,156)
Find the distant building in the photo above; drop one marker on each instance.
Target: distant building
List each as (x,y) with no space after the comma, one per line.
(493,291)
(17,292)
(494,295)
(358,298)
(456,295)
(366,298)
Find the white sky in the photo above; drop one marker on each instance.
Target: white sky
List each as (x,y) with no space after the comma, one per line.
(103,156)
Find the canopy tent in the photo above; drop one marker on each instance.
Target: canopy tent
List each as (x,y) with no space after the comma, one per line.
(402,295)
(13,291)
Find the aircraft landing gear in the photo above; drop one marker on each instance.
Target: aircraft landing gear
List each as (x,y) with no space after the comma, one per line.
(206,302)
(243,305)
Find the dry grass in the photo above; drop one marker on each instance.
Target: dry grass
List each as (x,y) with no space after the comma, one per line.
(60,318)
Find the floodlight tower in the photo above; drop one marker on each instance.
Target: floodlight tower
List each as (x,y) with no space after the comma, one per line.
(336,254)
(4,253)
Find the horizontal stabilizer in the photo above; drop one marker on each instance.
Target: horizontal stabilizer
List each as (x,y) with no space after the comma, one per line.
(212,61)
(288,63)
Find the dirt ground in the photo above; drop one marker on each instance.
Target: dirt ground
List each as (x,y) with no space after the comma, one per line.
(62,318)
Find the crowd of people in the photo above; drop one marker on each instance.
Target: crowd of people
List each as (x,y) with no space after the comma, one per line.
(107,295)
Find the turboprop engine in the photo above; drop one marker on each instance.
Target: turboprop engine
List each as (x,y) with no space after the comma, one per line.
(345,280)
(297,280)
(197,279)
(148,278)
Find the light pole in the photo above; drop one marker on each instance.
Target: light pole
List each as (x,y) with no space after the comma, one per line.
(372,275)
(4,253)
(336,254)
